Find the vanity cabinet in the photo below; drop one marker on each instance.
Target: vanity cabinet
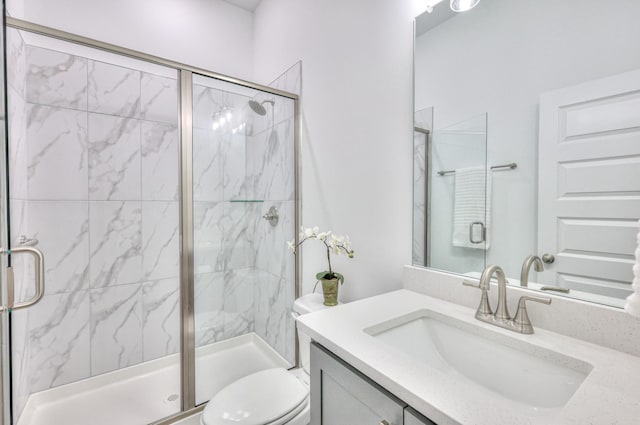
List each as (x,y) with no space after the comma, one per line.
(341,395)
(411,417)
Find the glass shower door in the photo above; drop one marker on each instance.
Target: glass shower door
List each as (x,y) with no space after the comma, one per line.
(5,401)
(94,172)
(459,231)
(244,213)
(93,155)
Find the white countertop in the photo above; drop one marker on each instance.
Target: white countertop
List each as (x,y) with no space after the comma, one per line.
(609,395)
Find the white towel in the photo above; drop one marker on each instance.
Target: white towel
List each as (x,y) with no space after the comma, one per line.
(632,304)
(471,206)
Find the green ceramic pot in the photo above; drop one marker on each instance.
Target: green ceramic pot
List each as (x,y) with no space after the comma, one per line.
(330,291)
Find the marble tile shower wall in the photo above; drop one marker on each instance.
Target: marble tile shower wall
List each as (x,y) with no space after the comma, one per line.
(419,203)
(224,253)
(97,184)
(271,176)
(244,274)
(16,112)
(94,177)
(424,120)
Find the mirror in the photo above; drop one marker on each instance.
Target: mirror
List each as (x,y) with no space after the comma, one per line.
(532,110)
(457,222)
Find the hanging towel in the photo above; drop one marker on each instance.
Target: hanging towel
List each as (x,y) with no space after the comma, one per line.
(471,206)
(632,304)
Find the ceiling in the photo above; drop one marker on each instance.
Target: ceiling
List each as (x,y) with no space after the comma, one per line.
(249,5)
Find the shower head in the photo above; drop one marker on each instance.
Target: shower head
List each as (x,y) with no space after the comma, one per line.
(258,108)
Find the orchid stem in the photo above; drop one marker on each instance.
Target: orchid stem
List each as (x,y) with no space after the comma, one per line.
(328,258)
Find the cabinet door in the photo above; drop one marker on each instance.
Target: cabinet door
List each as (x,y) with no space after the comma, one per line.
(340,395)
(411,417)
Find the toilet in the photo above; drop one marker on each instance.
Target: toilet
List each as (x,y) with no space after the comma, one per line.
(273,396)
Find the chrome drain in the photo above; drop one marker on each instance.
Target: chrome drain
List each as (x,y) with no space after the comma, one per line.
(173,397)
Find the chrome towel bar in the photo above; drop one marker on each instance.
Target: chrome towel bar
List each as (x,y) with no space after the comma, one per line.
(503,167)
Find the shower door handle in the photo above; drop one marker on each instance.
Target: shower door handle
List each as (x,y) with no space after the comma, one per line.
(483,232)
(39,278)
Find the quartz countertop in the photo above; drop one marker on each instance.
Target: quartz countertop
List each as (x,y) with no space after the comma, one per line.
(609,395)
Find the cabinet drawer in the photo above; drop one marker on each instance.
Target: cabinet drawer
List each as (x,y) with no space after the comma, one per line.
(340,395)
(411,417)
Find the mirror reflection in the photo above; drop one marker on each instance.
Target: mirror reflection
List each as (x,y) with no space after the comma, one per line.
(531,158)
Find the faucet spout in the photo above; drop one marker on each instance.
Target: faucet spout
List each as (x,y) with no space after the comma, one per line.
(502,312)
(501,317)
(531,260)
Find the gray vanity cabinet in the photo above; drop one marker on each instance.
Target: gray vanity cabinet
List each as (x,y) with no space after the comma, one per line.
(411,417)
(341,395)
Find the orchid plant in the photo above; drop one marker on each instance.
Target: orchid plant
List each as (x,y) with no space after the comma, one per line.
(337,245)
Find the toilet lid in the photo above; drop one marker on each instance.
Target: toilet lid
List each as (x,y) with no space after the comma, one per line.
(260,398)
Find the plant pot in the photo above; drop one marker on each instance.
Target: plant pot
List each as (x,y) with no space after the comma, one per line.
(330,291)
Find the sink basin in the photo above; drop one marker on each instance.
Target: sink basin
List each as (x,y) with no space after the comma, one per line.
(520,371)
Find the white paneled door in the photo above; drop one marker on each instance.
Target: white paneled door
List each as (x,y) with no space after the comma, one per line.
(589,184)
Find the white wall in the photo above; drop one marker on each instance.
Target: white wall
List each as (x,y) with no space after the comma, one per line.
(210,34)
(356,127)
(498,58)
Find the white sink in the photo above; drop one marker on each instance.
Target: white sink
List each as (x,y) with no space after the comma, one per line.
(520,371)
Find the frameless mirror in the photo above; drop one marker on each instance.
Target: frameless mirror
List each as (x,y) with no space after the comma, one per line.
(527,143)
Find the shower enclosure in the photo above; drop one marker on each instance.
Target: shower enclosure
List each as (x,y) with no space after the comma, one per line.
(461,237)
(161,197)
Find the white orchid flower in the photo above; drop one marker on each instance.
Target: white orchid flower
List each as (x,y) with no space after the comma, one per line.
(311,232)
(335,244)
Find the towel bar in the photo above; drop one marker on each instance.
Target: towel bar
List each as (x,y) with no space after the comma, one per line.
(511,166)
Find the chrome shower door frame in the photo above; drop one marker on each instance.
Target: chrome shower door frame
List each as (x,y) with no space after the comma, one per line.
(5,352)
(185,113)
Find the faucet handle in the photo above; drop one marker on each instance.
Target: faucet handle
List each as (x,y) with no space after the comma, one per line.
(543,300)
(484,309)
(521,321)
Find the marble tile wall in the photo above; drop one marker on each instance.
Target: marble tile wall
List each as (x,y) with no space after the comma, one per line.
(290,80)
(275,281)
(271,176)
(423,119)
(282,109)
(17,127)
(223,221)
(97,185)
(244,273)
(419,200)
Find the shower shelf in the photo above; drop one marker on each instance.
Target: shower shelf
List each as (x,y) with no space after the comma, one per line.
(246,201)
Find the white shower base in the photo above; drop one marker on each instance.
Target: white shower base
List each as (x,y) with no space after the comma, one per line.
(147,392)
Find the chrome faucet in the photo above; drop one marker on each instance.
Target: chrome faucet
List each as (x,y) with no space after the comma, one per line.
(520,323)
(531,260)
(502,313)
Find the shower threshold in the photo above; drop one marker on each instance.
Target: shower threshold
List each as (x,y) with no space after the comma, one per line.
(149,391)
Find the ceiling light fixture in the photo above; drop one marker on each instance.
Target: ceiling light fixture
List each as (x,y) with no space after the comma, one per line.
(463,5)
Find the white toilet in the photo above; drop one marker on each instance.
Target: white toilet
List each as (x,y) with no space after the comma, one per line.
(272,396)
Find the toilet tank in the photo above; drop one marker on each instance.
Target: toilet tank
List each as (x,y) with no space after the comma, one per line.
(304,305)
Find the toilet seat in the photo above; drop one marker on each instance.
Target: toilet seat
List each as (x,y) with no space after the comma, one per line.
(268,397)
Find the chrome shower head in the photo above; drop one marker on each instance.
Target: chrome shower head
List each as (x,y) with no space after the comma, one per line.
(258,108)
